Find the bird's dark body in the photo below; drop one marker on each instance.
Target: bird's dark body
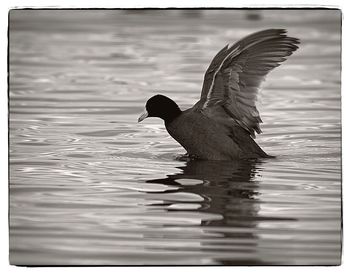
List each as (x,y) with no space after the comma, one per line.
(204,138)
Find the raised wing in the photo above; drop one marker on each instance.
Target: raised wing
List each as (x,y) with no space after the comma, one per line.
(234,76)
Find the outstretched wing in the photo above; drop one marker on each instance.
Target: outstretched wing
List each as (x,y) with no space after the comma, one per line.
(234,76)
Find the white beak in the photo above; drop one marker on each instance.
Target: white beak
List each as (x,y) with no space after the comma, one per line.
(143,116)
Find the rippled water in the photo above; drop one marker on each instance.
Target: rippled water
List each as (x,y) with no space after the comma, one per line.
(90,186)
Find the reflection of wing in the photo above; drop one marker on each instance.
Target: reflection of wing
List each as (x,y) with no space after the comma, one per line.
(234,76)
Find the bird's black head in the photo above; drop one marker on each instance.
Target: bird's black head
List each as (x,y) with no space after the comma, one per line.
(162,107)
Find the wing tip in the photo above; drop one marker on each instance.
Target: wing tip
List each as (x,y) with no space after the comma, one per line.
(281,32)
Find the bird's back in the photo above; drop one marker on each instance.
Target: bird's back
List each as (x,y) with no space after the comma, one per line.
(205,138)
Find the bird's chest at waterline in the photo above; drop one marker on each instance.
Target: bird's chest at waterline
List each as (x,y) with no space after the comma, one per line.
(203,137)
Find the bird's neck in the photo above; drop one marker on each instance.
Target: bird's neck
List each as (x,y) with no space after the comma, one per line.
(172,115)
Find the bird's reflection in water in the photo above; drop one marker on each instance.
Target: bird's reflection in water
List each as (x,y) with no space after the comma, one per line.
(231,190)
(227,188)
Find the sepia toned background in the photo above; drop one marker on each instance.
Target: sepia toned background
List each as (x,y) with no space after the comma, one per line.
(90,186)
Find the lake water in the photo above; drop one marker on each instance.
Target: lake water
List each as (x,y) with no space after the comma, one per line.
(91,186)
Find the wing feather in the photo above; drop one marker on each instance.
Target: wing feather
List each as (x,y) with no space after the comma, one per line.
(234,76)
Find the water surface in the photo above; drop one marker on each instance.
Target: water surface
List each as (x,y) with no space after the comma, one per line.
(90,186)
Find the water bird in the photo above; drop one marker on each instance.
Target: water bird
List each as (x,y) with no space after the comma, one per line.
(223,123)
